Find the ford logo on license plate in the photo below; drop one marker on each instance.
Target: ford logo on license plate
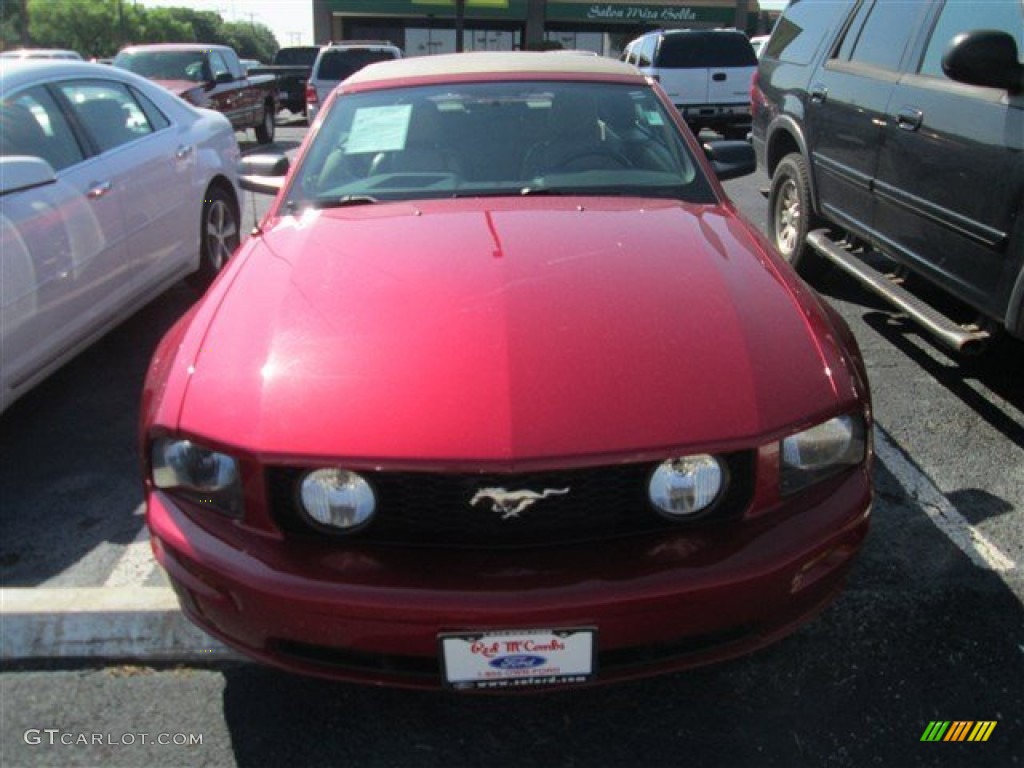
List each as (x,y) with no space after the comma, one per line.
(519,661)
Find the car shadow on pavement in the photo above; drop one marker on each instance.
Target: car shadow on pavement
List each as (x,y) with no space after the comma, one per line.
(253,148)
(999,369)
(919,635)
(69,462)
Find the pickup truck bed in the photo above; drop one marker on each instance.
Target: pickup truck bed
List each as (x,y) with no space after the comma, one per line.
(291,67)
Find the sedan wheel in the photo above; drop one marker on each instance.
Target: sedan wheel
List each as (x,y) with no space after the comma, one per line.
(220,235)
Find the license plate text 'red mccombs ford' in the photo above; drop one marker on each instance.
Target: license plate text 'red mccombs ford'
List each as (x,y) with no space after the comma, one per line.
(517,659)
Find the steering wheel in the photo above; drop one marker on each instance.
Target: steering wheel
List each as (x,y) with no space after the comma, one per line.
(603,153)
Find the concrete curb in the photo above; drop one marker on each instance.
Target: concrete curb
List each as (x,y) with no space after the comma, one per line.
(126,623)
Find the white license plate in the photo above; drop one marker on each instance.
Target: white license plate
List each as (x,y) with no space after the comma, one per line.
(524,658)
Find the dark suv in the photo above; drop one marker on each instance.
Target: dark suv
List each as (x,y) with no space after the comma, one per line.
(897,128)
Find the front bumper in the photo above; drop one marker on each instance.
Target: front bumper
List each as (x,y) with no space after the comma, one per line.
(659,603)
(715,114)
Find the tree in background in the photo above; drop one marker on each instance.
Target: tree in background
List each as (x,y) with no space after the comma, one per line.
(89,28)
(250,41)
(99,28)
(158,25)
(14,24)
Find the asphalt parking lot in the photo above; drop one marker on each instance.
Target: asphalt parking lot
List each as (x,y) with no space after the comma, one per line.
(930,627)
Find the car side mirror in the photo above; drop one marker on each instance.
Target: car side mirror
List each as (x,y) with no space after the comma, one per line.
(984,57)
(224,77)
(264,172)
(22,172)
(730,159)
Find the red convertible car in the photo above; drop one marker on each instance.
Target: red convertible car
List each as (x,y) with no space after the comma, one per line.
(504,393)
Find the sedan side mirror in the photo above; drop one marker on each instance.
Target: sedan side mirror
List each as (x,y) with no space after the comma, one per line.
(984,57)
(18,172)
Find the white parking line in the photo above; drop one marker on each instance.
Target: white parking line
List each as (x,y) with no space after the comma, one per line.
(982,552)
(136,564)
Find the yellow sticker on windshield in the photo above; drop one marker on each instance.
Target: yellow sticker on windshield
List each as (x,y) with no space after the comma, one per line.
(379,129)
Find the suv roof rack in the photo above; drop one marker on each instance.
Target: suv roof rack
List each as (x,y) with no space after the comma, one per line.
(361,42)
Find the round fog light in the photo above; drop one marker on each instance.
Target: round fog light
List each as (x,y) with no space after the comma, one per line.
(685,486)
(337,498)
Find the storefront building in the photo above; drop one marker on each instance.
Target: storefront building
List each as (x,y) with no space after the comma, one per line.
(425,27)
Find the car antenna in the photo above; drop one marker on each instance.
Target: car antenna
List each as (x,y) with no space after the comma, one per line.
(257,230)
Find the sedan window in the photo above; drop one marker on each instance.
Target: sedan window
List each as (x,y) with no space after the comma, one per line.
(510,138)
(108,111)
(31,124)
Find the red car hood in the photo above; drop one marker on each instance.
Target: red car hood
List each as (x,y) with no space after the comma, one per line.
(508,331)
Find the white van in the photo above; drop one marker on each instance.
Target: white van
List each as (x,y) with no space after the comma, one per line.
(706,73)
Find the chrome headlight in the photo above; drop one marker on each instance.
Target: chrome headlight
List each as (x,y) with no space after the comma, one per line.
(821,451)
(197,473)
(337,499)
(682,487)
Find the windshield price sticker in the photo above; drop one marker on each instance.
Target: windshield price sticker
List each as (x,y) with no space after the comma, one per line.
(379,129)
(518,659)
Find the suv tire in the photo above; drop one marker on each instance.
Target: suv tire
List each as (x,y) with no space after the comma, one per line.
(791,214)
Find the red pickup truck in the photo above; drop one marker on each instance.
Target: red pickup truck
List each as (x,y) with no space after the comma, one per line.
(209,76)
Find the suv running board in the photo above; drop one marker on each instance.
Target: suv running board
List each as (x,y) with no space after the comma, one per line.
(966,340)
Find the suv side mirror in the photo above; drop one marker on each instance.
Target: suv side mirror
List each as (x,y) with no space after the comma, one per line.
(984,57)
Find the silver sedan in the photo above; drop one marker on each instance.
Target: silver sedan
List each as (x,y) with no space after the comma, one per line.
(111,190)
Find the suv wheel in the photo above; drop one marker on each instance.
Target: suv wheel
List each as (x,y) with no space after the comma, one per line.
(790,216)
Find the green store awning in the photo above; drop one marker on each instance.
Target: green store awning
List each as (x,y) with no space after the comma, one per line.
(515,10)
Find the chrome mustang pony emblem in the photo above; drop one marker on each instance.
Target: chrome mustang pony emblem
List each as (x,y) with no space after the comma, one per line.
(511,503)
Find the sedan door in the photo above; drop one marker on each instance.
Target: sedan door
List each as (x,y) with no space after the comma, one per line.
(62,243)
(147,163)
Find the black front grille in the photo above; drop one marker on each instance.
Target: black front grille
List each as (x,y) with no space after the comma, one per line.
(621,661)
(436,509)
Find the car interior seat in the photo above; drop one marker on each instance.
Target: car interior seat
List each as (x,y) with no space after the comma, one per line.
(107,121)
(20,133)
(425,150)
(574,140)
(622,130)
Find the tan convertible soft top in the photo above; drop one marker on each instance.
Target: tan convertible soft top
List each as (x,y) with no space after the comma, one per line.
(491,62)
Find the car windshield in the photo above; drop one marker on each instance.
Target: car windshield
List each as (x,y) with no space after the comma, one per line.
(499,138)
(164,65)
